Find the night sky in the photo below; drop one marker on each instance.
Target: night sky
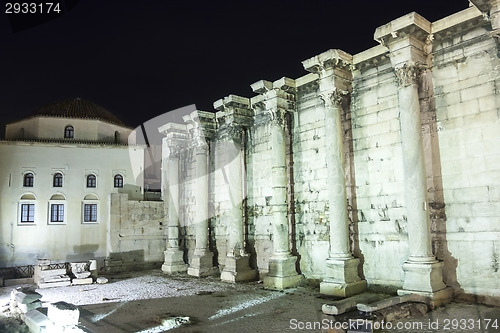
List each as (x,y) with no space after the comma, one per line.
(140,59)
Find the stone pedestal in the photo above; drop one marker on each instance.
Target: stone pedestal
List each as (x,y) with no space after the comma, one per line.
(282,273)
(174,261)
(237,268)
(341,278)
(202,264)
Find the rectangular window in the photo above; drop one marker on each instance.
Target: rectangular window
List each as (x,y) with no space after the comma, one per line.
(90,213)
(27,213)
(57,213)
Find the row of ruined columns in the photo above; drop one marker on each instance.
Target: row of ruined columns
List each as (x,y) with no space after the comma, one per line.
(226,134)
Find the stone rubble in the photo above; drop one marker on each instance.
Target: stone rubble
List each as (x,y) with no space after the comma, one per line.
(45,277)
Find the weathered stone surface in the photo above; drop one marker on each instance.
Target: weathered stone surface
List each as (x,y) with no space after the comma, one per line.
(88,280)
(36,321)
(350,303)
(63,314)
(82,275)
(54,284)
(26,295)
(101,280)
(29,306)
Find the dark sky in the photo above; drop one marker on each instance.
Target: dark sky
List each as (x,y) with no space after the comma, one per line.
(140,59)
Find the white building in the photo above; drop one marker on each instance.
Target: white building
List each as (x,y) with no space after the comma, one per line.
(57,170)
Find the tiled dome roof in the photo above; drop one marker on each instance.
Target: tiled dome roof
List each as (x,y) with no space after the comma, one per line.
(78,108)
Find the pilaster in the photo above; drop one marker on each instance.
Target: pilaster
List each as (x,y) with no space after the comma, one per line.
(277,99)
(234,117)
(201,127)
(173,143)
(335,85)
(408,39)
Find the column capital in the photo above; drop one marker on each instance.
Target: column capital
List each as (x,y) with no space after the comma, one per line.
(175,139)
(201,127)
(408,73)
(407,38)
(333,98)
(274,99)
(325,63)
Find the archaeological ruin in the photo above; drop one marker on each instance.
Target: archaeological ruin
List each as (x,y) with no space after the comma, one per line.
(373,171)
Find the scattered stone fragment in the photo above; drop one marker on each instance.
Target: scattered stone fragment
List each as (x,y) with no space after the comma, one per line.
(82,281)
(101,280)
(63,314)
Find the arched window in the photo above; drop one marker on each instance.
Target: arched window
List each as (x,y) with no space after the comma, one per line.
(91,181)
(57,180)
(69,132)
(27,209)
(90,209)
(118,180)
(57,209)
(28,179)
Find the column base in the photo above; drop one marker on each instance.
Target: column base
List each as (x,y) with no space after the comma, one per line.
(341,278)
(423,276)
(433,299)
(202,264)
(238,269)
(282,273)
(174,262)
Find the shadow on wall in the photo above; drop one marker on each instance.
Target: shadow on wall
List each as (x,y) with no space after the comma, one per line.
(435,198)
(83,253)
(352,204)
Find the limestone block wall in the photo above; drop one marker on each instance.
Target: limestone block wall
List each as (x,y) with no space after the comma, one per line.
(466,74)
(377,191)
(136,233)
(310,176)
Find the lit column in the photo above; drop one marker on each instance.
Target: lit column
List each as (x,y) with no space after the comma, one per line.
(200,126)
(278,99)
(423,273)
(234,117)
(341,275)
(173,143)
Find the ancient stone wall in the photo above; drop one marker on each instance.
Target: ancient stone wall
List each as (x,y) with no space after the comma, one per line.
(136,233)
(376,170)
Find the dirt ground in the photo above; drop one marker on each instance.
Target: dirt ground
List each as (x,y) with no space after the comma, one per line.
(140,301)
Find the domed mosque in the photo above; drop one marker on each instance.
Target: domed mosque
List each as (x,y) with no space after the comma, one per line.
(59,167)
(75,119)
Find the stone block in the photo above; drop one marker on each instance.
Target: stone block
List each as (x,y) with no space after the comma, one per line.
(58,278)
(26,296)
(101,280)
(82,275)
(64,314)
(88,280)
(350,303)
(42,285)
(36,321)
(29,306)
(51,272)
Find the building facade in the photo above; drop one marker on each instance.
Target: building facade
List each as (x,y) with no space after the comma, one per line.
(58,169)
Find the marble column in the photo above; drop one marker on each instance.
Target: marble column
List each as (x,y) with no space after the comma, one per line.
(341,274)
(172,146)
(408,46)
(278,99)
(202,260)
(234,117)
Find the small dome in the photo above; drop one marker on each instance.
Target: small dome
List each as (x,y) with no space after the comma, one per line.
(78,108)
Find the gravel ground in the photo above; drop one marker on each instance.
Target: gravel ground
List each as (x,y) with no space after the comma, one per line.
(140,301)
